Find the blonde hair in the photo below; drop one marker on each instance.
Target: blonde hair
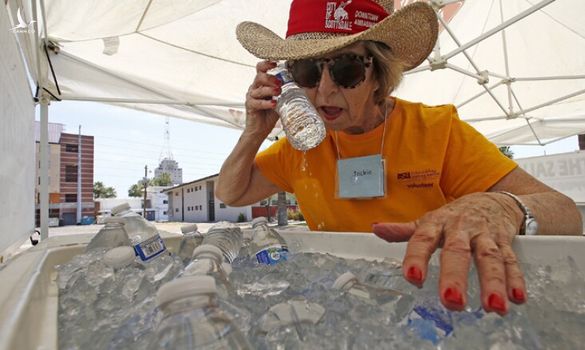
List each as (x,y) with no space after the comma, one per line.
(387,69)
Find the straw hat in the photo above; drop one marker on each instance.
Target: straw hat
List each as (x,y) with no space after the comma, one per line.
(317,27)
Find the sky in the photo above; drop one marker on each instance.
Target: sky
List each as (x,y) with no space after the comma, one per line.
(126,140)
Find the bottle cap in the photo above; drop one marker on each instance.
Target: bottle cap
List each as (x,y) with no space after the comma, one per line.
(120,208)
(291,312)
(114,219)
(119,257)
(227,268)
(189,228)
(343,280)
(184,287)
(207,251)
(259,221)
(222,226)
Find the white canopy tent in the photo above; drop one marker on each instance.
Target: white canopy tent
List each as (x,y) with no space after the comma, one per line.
(181,59)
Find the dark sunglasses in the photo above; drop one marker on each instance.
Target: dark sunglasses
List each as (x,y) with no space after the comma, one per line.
(346,70)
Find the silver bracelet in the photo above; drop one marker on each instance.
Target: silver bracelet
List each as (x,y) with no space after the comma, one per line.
(530,225)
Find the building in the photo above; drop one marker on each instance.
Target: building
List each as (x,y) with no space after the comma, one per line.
(67,153)
(195,201)
(158,200)
(171,167)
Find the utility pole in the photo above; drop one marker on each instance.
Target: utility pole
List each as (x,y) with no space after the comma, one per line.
(145,181)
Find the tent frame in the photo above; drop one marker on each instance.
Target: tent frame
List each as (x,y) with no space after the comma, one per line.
(512,109)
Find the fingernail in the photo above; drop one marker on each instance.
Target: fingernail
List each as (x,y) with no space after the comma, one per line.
(518,294)
(273,102)
(496,302)
(277,91)
(453,296)
(414,274)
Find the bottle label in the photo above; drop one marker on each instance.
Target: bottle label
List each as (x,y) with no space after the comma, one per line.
(272,255)
(150,248)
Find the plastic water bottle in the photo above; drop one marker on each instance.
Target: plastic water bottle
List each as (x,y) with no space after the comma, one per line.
(192,318)
(120,257)
(208,260)
(267,244)
(300,120)
(192,238)
(398,302)
(227,237)
(143,235)
(295,313)
(110,236)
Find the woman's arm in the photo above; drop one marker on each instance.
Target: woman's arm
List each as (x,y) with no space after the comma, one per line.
(240,181)
(481,227)
(555,213)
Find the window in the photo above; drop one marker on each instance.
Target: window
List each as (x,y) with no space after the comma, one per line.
(164,213)
(71,173)
(71,148)
(222,205)
(71,198)
(200,207)
(195,188)
(165,201)
(176,194)
(176,210)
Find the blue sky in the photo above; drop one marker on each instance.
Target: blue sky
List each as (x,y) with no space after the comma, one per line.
(126,140)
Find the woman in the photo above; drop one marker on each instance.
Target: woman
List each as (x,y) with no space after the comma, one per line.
(443,184)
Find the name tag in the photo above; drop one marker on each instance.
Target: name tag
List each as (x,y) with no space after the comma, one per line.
(361,177)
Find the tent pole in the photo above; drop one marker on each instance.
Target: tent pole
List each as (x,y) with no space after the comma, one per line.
(507,65)
(44,171)
(150,101)
(498,28)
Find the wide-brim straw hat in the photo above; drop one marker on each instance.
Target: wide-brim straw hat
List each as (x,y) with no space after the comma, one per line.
(410,32)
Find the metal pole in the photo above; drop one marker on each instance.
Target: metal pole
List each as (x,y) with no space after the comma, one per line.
(145,188)
(44,171)
(79,201)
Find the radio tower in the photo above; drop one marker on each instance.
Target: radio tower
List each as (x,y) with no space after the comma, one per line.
(166,162)
(166,153)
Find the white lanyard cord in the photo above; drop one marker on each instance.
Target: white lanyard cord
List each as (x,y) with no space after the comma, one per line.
(383,135)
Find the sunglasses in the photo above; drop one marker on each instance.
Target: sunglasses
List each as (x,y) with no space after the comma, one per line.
(346,70)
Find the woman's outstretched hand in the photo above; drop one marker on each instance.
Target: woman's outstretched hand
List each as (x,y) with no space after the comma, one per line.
(479,225)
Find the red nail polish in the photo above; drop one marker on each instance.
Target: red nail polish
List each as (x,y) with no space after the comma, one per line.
(453,296)
(277,91)
(518,294)
(414,274)
(496,302)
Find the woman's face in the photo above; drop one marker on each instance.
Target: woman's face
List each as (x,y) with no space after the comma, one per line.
(351,110)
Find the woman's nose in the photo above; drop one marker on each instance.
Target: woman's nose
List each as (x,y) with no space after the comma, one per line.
(326,84)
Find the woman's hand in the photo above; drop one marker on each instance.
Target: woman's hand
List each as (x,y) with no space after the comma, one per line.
(482,225)
(260,114)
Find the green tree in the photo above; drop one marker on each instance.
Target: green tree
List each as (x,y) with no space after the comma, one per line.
(136,190)
(101,191)
(163,179)
(507,151)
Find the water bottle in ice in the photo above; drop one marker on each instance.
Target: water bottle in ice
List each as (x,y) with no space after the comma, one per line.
(300,120)
(267,244)
(192,238)
(192,318)
(430,320)
(110,236)
(296,313)
(227,237)
(208,260)
(143,235)
(400,304)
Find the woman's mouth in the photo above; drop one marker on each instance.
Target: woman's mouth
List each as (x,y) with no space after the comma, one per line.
(330,112)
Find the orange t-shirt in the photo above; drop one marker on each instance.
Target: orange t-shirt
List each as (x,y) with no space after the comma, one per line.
(431,158)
